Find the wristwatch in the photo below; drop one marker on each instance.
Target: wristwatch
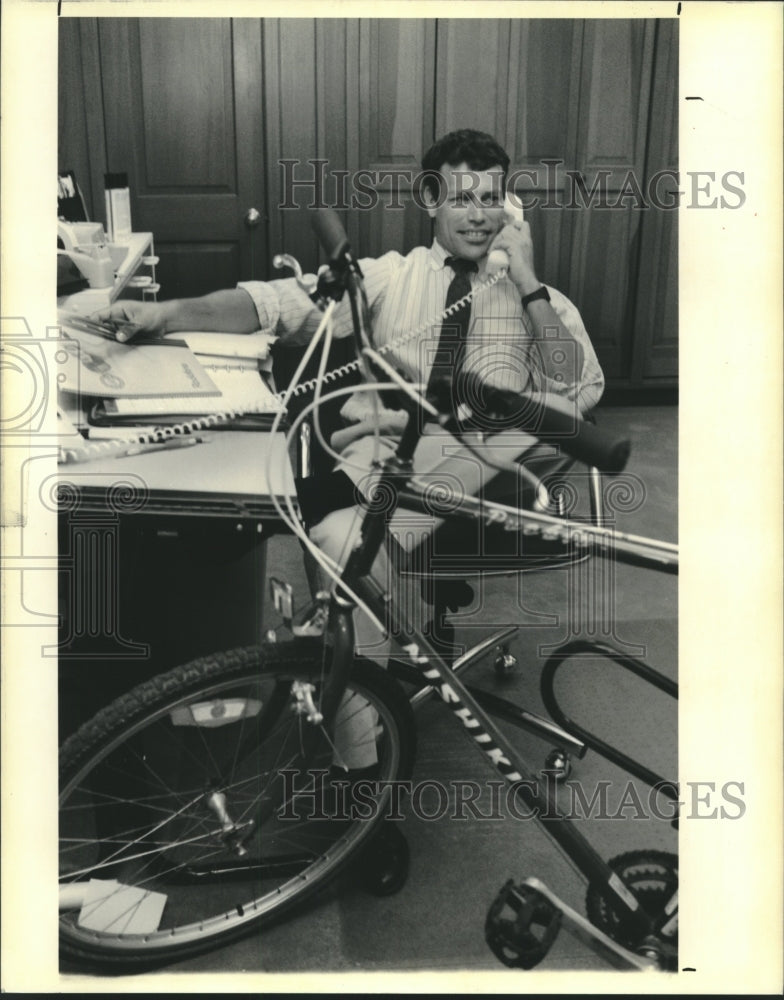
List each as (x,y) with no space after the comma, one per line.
(540,293)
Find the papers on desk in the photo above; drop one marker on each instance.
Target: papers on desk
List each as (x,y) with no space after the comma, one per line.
(162,382)
(240,346)
(240,386)
(97,365)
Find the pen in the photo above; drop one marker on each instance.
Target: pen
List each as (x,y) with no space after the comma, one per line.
(106,330)
(89,326)
(170,444)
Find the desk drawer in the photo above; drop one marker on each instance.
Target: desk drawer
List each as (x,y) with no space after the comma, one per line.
(171,506)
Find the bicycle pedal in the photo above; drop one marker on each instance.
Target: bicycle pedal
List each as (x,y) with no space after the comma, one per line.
(521,926)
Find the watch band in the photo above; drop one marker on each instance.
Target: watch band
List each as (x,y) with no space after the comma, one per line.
(540,293)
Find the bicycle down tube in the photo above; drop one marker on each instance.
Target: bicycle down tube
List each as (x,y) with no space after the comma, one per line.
(502,755)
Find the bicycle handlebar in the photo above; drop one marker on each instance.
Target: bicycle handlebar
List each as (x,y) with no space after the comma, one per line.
(547,417)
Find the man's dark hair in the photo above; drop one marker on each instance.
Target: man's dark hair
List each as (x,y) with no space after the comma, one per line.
(478,150)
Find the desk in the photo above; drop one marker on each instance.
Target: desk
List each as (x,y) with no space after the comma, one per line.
(162,559)
(223,477)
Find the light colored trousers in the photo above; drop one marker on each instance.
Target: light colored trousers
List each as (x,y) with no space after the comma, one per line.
(445,470)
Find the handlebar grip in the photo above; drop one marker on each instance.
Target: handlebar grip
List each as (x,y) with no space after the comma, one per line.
(548,418)
(330,232)
(581,439)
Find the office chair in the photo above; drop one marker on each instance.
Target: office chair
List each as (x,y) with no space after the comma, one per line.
(452,556)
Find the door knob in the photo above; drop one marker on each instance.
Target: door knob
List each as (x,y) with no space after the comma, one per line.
(252,218)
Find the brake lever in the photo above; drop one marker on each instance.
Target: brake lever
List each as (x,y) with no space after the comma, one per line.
(310,285)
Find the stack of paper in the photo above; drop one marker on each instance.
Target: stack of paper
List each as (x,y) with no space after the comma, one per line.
(96,365)
(163,381)
(253,346)
(240,385)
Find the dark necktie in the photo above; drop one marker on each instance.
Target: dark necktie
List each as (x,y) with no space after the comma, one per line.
(450,353)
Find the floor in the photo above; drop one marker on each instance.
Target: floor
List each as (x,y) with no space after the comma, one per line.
(458,865)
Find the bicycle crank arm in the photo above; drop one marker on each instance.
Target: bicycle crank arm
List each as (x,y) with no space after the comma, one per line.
(598,941)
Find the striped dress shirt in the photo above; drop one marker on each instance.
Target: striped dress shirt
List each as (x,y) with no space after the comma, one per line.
(408,293)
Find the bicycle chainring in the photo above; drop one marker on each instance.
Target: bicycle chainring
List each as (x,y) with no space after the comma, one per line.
(653,878)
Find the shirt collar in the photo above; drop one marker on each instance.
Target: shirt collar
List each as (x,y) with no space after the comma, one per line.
(438,256)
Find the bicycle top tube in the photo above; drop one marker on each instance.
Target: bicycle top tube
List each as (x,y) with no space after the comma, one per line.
(398,481)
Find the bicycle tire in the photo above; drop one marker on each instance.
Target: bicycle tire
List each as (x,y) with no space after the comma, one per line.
(141,812)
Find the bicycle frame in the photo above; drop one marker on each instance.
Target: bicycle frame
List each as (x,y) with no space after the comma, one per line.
(435,671)
(441,676)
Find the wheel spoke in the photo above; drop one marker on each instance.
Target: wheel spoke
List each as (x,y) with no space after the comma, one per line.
(180,801)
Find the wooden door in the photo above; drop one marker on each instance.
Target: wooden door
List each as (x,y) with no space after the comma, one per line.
(655,345)
(614,96)
(518,79)
(184,116)
(574,104)
(350,115)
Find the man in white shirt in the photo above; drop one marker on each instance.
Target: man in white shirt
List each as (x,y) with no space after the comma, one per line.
(516,333)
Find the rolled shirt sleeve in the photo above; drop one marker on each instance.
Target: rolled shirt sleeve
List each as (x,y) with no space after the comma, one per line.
(284,308)
(503,351)
(287,310)
(587,387)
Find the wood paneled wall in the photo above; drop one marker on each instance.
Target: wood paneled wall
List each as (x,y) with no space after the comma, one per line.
(204,114)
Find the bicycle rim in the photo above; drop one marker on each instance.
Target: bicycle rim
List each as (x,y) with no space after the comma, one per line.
(210,810)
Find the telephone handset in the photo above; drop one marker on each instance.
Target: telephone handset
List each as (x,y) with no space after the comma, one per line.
(497,260)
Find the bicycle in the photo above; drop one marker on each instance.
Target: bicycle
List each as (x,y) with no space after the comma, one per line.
(214,798)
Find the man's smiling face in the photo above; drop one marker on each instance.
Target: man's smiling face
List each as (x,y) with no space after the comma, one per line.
(470,210)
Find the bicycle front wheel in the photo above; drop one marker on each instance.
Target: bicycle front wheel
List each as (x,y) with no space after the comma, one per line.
(202,802)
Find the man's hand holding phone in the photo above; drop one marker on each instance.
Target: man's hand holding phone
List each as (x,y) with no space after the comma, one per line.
(513,249)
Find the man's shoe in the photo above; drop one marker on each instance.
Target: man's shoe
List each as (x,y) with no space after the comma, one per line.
(381,868)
